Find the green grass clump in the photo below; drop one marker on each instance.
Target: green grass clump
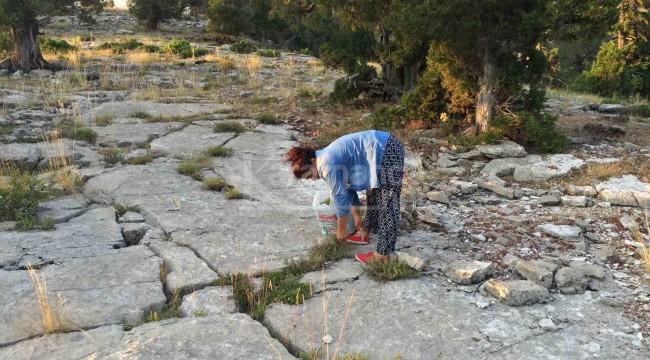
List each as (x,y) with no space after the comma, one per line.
(218,151)
(391,270)
(216,183)
(268,119)
(47,224)
(268,53)
(229,126)
(104,119)
(28,140)
(113,155)
(141,115)
(184,49)
(80,133)
(244,46)
(234,194)
(57,46)
(20,198)
(141,160)
(192,167)
(126,45)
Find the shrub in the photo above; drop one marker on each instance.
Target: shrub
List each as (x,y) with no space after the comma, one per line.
(229,126)
(184,49)
(234,194)
(267,118)
(389,118)
(6,43)
(350,88)
(642,110)
(218,151)
(55,45)
(130,44)
(244,46)
(539,131)
(80,133)
(21,197)
(268,53)
(152,12)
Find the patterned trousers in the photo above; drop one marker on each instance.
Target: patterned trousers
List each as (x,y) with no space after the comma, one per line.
(383,210)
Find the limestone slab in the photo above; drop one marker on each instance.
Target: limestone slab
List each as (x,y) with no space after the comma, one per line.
(125,135)
(552,166)
(64,209)
(627,190)
(184,271)
(214,300)
(517,292)
(503,150)
(193,140)
(565,232)
(125,109)
(540,272)
(468,272)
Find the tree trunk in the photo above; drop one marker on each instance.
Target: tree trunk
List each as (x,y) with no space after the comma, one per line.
(486,100)
(621,22)
(27,53)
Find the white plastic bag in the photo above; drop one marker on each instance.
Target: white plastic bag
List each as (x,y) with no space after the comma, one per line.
(323,206)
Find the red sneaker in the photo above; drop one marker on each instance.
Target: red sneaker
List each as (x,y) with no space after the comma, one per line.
(370,256)
(359,239)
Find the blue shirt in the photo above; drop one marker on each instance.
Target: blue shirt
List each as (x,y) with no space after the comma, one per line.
(351,163)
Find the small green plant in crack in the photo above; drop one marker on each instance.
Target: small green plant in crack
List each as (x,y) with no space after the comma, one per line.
(394,269)
(141,115)
(267,119)
(26,223)
(216,183)
(229,127)
(218,151)
(192,166)
(79,133)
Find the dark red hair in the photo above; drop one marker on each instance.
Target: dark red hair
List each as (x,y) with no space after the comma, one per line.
(300,159)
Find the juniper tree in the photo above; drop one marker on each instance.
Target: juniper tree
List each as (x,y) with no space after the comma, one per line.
(21,18)
(152,12)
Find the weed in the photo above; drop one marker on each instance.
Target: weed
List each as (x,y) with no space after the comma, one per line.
(113,156)
(47,223)
(264,100)
(104,119)
(268,119)
(391,270)
(642,110)
(309,92)
(141,115)
(643,249)
(26,223)
(141,160)
(184,49)
(171,310)
(218,151)
(229,126)
(28,140)
(268,53)
(192,167)
(234,194)
(217,183)
(20,199)
(80,133)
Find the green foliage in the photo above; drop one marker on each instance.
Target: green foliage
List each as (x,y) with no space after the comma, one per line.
(642,110)
(192,166)
(244,46)
(234,194)
(309,92)
(184,49)
(79,133)
(229,126)
(269,53)
(391,270)
(231,17)
(20,198)
(141,115)
(268,119)
(104,119)
(56,46)
(130,44)
(539,131)
(349,88)
(216,183)
(141,160)
(113,155)
(47,224)
(218,151)
(389,118)
(6,42)
(170,311)
(152,12)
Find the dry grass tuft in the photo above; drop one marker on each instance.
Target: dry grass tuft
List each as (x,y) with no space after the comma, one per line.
(52,318)
(596,172)
(643,250)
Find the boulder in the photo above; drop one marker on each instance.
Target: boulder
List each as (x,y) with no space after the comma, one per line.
(517,292)
(571,280)
(611,108)
(576,201)
(553,166)
(588,269)
(21,156)
(498,187)
(549,200)
(438,196)
(540,272)
(468,272)
(581,190)
(506,149)
(214,300)
(134,232)
(627,190)
(564,232)
(131,217)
